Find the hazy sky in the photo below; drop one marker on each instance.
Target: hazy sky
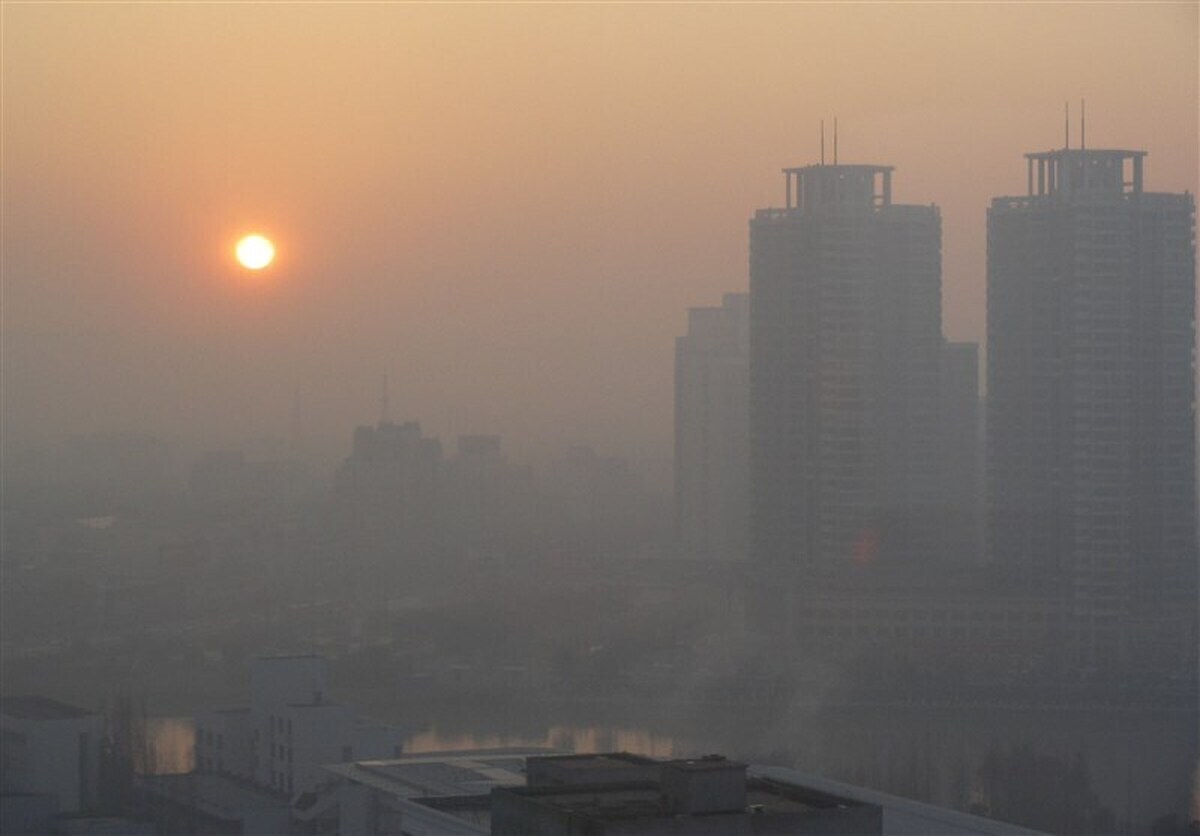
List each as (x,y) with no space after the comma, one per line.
(507,209)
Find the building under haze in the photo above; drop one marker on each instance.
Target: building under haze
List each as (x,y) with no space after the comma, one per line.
(1091,445)
(488,500)
(712,383)
(50,761)
(388,493)
(960,453)
(290,729)
(845,347)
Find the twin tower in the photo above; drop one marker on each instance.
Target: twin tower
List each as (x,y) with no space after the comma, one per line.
(1090,465)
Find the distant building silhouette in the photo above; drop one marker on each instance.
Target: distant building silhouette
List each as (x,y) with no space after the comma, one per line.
(596,503)
(388,492)
(488,500)
(712,394)
(845,352)
(228,479)
(114,470)
(1091,445)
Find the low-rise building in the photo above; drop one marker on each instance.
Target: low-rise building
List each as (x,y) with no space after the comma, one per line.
(51,748)
(289,731)
(529,792)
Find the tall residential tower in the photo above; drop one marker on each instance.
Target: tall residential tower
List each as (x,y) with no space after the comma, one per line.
(1091,429)
(845,351)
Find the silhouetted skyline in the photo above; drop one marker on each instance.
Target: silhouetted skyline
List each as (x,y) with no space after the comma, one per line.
(505,209)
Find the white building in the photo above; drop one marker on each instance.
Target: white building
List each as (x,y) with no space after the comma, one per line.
(50,754)
(290,731)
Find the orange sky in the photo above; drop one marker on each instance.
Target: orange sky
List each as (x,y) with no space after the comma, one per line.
(507,209)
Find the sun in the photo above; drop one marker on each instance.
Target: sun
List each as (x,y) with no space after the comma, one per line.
(254,252)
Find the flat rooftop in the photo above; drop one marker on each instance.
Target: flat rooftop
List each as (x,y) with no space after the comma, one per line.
(645,799)
(443,774)
(41,708)
(619,760)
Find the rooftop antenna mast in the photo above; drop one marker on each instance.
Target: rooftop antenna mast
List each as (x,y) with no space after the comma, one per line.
(1067,124)
(835,140)
(1082,124)
(822,142)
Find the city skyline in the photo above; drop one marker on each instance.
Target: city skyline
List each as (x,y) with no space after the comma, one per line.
(348,353)
(111,275)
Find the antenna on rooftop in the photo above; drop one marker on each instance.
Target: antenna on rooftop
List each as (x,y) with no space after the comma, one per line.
(1082,125)
(1067,124)
(822,142)
(835,140)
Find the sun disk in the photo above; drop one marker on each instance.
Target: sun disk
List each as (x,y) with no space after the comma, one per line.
(255,252)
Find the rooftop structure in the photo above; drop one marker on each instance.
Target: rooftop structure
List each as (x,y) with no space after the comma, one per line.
(436,792)
(512,791)
(40,708)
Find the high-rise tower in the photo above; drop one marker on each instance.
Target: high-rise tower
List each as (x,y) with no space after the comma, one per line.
(1091,445)
(712,392)
(845,291)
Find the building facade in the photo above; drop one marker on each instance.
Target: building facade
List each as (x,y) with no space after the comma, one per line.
(290,730)
(961,454)
(388,493)
(1091,424)
(712,394)
(845,353)
(50,750)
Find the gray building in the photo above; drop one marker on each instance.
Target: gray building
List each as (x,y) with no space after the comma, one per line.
(487,499)
(712,393)
(515,791)
(387,492)
(960,453)
(845,353)
(1091,433)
